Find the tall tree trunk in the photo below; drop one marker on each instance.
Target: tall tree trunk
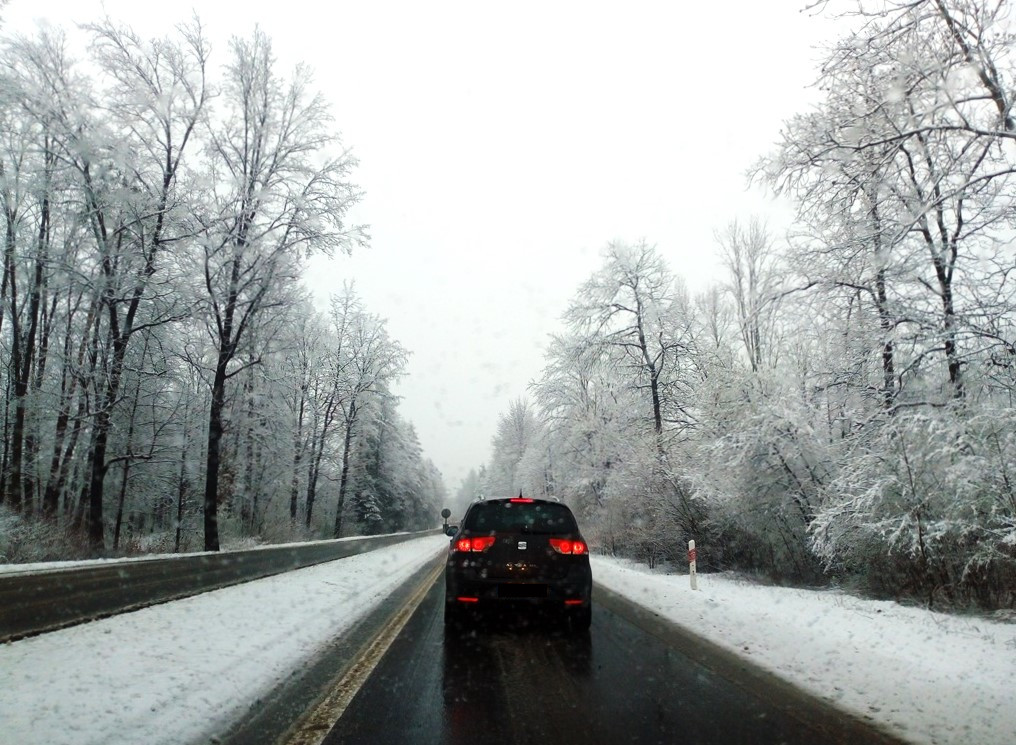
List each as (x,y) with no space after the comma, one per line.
(14,480)
(213,459)
(297,455)
(94,485)
(247,496)
(79,507)
(344,478)
(885,319)
(182,487)
(59,486)
(126,464)
(12,473)
(654,376)
(949,328)
(121,498)
(121,328)
(51,495)
(258,480)
(36,311)
(313,470)
(944,253)
(886,324)
(294,487)
(317,451)
(311,491)
(5,461)
(59,463)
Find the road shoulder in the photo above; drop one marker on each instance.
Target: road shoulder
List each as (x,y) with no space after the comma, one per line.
(838,725)
(285,714)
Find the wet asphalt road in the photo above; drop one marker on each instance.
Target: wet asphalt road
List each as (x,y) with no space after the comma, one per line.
(510,680)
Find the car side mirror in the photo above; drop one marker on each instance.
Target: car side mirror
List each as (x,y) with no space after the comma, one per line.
(451,530)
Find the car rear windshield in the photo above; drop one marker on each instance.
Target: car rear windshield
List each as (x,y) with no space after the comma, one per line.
(520,517)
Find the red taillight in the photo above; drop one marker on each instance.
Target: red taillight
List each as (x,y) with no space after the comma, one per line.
(476,543)
(565,546)
(467,600)
(561,545)
(521,500)
(573,602)
(482,542)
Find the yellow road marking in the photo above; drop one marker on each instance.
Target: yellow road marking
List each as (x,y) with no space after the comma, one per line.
(315,726)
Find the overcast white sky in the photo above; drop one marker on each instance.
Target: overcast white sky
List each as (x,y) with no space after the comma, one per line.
(502,145)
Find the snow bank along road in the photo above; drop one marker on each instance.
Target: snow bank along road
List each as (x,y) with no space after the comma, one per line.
(185,671)
(926,677)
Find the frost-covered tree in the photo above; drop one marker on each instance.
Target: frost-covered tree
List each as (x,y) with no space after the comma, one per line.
(368,360)
(278,189)
(151,297)
(634,311)
(510,471)
(750,260)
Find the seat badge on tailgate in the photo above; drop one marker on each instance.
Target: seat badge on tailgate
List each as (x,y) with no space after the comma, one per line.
(522,545)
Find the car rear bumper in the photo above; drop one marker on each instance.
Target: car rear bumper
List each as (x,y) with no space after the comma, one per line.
(473,592)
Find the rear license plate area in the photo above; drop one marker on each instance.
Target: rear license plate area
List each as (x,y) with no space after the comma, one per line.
(521,591)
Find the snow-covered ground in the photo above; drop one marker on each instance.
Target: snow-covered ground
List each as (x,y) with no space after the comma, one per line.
(928,677)
(180,671)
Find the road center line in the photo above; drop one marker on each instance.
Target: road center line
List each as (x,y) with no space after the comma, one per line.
(316,725)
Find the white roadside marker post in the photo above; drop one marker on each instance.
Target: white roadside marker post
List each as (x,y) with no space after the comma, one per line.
(692,556)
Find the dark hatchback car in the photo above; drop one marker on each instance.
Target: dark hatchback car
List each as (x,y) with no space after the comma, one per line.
(519,553)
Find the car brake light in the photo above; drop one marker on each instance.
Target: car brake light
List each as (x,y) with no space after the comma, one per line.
(476,543)
(565,546)
(521,500)
(561,545)
(462,599)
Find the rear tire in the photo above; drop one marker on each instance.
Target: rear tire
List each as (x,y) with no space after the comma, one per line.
(451,614)
(581,619)
(455,616)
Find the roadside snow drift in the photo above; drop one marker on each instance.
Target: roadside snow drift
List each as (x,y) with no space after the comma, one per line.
(928,677)
(182,671)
